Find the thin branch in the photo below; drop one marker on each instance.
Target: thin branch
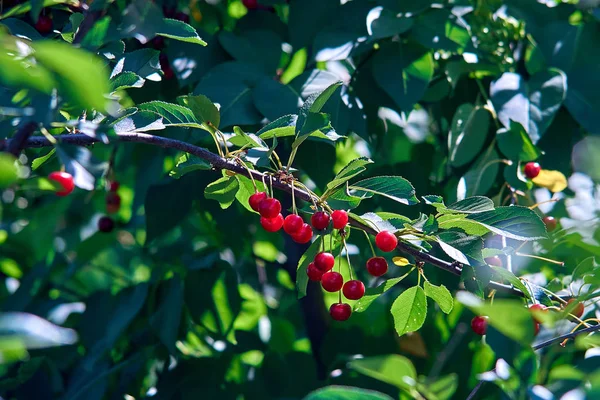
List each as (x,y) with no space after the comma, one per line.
(539,346)
(19,141)
(569,335)
(218,162)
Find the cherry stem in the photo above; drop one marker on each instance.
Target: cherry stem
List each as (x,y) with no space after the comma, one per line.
(348,258)
(541,258)
(533,207)
(294,210)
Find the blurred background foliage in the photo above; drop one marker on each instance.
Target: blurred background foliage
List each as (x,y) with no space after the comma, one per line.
(186,300)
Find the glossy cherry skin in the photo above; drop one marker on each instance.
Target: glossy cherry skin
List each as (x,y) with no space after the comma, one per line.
(255,200)
(532,169)
(314,273)
(479,325)
(113,186)
(44,24)
(537,307)
(324,261)
(292,223)
(340,311)
(340,219)
(578,310)
(550,223)
(386,241)
(303,235)
(320,220)
(269,207)
(377,266)
(353,290)
(65,180)
(272,224)
(332,281)
(106,224)
(113,202)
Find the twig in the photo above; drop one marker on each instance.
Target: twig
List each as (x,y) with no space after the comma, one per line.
(19,140)
(221,163)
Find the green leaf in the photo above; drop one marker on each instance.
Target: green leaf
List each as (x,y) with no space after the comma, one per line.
(282,126)
(515,144)
(307,258)
(515,222)
(126,80)
(313,105)
(468,133)
(440,295)
(8,170)
(392,369)
(143,62)
(345,393)
(352,169)
(471,205)
(403,71)
(179,30)
(450,221)
(189,163)
(532,105)
(393,187)
(80,163)
(213,298)
(172,114)
(203,109)
(509,317)
(481,176)
(503,274)
(439,28)
(21,74)
(273,99)
(165,321)
(371,294)
(86,90)
(409,310)
(222,190)
(383,23)
(461,247)
(314,122)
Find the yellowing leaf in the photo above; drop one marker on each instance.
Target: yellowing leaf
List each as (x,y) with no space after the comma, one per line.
(555,181)
(400,261)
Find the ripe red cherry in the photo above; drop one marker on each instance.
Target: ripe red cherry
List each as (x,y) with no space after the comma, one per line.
(386,241)
(537,307)
(292,223)
(106,224)
(113,202)
(269,207)
(340,219)
(303,235)
(44,24)
(255,200)
(332,281)
(65,180)
(495,261)
(340,311)
(314,273)
(377,266)
(324,261)
(113,186)
(250,4)
(320,220)
(354,290)
(532,169)
(272,224)
(479,325)
(578,310)
(550,223)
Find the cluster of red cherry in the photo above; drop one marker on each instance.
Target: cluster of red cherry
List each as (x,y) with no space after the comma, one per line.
(479,323)
(113,200)
(320,269)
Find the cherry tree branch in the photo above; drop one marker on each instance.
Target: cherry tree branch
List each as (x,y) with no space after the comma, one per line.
(539,346)
(219,162)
